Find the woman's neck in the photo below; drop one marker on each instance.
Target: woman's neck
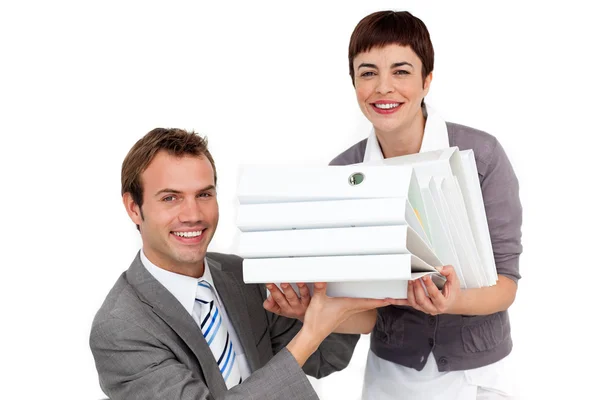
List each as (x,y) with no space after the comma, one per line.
(403,141)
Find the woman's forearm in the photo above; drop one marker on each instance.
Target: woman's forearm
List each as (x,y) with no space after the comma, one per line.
(486,300)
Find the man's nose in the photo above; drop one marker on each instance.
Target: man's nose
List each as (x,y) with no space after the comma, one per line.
(190,211)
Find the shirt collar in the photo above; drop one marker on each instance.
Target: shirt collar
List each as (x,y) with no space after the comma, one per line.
(435,137)
(182,287)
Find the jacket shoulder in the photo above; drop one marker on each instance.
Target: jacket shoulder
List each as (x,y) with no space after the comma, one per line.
(121,301)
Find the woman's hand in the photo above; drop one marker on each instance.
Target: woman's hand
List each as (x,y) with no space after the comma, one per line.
(439,301)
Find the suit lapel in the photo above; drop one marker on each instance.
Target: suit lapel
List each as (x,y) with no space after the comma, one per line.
(234,301)
(168,308)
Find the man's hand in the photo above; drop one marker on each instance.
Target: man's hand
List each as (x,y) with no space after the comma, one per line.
(288,303)
(327,313)
(322,316)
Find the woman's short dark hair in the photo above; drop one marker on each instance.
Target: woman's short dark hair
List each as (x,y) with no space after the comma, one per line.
(392,27)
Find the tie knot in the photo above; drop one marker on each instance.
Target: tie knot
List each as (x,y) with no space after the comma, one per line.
(204,292)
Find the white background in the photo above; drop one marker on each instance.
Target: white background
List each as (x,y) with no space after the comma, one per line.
(267,82)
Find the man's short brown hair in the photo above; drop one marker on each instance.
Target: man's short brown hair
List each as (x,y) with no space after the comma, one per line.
(176,142)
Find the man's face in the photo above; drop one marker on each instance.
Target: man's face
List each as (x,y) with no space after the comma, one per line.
(179,214)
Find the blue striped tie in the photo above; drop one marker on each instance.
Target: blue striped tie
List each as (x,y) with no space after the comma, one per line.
(215,333)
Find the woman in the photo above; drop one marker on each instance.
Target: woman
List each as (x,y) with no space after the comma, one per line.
(453,344)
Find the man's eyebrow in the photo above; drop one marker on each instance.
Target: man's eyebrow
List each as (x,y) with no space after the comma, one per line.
(167,190)
(206,189)
(174,191)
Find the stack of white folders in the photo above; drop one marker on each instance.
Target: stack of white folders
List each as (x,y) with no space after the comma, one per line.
(364,229)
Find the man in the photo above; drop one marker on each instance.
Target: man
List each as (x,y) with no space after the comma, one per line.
(180,323)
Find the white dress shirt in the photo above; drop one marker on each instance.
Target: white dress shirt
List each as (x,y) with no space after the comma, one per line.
(385,380)
(183,288)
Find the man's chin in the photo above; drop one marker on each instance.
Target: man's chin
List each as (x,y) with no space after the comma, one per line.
(191,259)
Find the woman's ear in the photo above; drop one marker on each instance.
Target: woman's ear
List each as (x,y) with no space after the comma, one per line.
(427,83)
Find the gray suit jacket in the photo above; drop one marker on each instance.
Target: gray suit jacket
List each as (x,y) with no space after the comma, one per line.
(146,346)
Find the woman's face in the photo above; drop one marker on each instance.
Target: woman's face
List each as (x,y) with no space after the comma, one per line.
(389,87)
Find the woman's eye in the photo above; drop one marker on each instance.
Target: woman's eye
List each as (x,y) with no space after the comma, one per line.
(367,74)
(402,72)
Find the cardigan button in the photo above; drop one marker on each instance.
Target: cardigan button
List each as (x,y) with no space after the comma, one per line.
(430,341)
(443,360)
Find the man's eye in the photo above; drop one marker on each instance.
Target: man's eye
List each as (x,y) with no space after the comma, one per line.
(168,198)
(205,195)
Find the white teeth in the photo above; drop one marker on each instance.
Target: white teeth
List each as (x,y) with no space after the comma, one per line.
(187,234)
(387,106)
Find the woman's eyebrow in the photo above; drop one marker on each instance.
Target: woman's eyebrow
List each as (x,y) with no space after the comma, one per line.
(367,65)
(401,64)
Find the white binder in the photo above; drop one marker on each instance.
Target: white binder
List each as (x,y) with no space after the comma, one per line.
(441,239)
(379,267)
(397,239)
(468,266)
(448,163)
(377,289)
(268,184)
(329,214)
(471,190)
(365,276)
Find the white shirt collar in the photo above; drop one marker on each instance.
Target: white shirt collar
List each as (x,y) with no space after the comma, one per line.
(181,286)
(435,137)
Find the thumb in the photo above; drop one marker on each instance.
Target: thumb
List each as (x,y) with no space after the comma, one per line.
(449,272)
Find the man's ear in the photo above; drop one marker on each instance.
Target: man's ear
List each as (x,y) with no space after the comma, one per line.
(134,211)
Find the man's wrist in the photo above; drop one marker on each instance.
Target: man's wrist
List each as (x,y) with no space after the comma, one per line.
(303,345)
